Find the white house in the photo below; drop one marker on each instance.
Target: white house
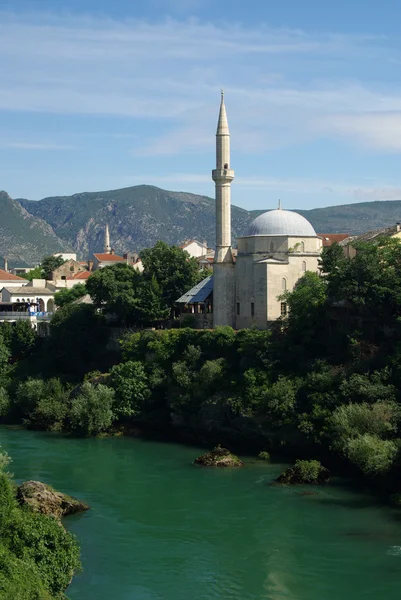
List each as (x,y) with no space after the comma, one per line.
(36,291)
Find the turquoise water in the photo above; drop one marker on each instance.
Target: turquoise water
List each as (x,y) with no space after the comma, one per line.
(163,529)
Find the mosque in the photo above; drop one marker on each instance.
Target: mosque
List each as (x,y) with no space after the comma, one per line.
(275,251)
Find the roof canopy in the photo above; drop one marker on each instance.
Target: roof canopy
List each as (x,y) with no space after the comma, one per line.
(199,293)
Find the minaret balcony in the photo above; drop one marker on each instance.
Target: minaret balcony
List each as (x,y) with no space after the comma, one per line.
(223,175)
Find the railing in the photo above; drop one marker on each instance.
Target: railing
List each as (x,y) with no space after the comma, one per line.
(14,315)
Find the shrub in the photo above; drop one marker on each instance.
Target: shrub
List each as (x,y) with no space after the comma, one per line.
(130,382)
(372,455)
(352,420)
(305,471)
(91,411)
(264,455)
(4,403)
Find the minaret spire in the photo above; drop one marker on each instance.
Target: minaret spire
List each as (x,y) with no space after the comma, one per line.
(107,247)
(223,270)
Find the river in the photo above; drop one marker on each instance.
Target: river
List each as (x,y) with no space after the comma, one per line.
(163,529)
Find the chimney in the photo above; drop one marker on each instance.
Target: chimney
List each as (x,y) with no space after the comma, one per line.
(112,251)
(5,264)
(90,265)
(398,226)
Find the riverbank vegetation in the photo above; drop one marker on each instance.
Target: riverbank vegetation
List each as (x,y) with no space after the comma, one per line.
(38,557)
(322,383)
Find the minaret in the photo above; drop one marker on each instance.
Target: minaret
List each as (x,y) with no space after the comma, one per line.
(223,269)
(107,247)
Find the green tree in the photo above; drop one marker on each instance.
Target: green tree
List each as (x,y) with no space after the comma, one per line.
(130,382)
(50,264)
(331,258)
(36,273)
(91,411)
(174,270)
(66,296)
(115,289)
(78,340)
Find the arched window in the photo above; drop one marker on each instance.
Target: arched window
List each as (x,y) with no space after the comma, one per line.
(284,284)
(271,247)
(302,247)
(304,266)
(17,299)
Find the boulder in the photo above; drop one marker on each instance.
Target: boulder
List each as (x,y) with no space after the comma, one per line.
(42,498)
(305,471)
(219,457)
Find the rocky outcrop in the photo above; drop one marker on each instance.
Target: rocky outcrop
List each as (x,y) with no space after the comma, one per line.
(42,498)
(305,471)
(219,457)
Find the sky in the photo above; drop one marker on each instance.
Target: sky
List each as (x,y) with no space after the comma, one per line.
(100,94)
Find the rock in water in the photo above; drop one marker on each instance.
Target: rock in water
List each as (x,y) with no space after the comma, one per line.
(42,498)
(305,471)
(219,457)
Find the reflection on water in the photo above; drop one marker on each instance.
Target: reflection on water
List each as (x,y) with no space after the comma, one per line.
(162,529)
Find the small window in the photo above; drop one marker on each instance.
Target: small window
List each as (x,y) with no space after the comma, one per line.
(302,247)
(72,269)
(63,277)
(252,309)
(271,247)
(226,165)
(284,284)
(283,309)
(304,266)
(238,308)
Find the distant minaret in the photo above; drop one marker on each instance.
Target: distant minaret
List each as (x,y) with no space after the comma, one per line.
(223,269)
(107,247)
(5,264)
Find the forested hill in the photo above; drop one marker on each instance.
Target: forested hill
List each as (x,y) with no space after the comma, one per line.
(24,238)
(139,216)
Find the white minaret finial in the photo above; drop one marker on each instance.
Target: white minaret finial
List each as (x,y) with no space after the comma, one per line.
(279,204)
(107,247)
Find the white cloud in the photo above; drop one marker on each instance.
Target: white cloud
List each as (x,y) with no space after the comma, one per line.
(169,73)
(349,191)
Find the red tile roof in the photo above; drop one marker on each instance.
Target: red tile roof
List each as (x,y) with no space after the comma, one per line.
(329,238)
(104,257)
(82,275)
(6,276)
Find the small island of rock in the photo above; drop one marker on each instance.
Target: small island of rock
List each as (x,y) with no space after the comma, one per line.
(42,498)
(305,471)
(219,457)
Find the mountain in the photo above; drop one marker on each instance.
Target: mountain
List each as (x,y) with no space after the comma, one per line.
(24,238)
(352,218)
(139,216)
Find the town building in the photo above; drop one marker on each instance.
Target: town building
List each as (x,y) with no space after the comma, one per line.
(66,255)
(37,292)
(10,280)
(394,231)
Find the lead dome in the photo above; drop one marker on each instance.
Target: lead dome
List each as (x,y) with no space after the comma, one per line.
(280,222)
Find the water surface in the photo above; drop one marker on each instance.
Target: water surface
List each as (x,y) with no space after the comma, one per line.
(163,529)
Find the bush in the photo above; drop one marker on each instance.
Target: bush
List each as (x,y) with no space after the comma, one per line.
(353,420)
(130,382)
(4,403)
(372,455)
(264,455)
(91,411)
(305,471)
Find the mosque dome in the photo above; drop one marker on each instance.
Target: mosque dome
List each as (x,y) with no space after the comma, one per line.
(280,222)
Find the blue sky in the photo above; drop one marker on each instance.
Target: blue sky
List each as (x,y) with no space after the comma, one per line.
(99,95)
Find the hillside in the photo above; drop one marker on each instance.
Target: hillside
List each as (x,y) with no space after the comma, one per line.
(24,238)
(139,216)
(352,218)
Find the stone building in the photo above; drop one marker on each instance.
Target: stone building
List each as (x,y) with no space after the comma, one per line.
(276,250)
